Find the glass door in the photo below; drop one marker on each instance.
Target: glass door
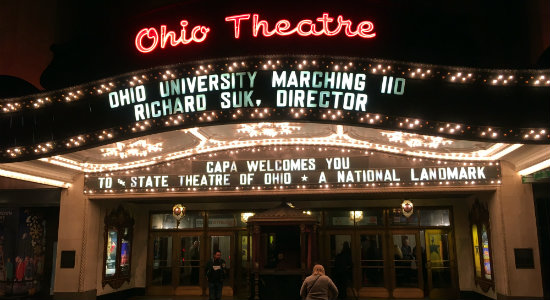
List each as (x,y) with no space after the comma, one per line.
(187,267)
(242,270)
(340,264)
(407,264)
(440,277)
(223,242)
(373,267)
(160,274)
(174,264)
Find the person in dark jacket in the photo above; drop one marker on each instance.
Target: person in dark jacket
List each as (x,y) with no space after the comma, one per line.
(318,286)
(195,262)
(343,270)
(215,273)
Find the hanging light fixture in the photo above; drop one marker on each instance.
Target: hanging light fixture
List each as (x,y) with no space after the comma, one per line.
(178,211)
(356,215)
(245,216)
(407,208)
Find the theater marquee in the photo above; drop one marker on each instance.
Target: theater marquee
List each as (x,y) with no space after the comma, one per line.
(347,91)
(297,173)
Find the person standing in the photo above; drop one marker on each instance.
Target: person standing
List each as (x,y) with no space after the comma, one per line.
(9,270)
(343,267)
(215,273)
(318,286)
(406,250)
(195,261)
(20,270)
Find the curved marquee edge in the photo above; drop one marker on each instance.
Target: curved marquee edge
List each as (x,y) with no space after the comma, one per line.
(503,79)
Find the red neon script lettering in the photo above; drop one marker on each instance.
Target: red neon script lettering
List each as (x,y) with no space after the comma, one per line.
(148,39)
(364,29)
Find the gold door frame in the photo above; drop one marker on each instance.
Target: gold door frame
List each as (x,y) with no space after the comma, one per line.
(404,292)
(228,285)
(174,288)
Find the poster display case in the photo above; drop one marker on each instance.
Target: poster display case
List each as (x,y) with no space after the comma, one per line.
(118,245)
(481,246)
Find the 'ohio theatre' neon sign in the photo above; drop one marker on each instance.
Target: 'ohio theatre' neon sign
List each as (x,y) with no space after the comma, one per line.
(148,39)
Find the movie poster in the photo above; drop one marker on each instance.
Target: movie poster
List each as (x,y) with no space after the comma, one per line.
(22,251)
(110,263)
(486,255)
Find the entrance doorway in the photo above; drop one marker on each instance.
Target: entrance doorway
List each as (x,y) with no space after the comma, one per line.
(413,259)
(174,263)
(440,261)
(224,242)
(391,257)
(406,264)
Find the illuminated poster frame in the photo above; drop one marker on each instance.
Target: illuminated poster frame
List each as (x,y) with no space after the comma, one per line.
(480,228)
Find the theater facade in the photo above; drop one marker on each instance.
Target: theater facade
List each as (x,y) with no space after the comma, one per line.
(282,141)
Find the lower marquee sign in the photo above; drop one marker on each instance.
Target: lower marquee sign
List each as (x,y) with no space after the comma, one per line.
(299,172)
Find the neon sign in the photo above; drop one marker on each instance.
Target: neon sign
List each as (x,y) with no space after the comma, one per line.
(154,37)
(364,29)
(148,39)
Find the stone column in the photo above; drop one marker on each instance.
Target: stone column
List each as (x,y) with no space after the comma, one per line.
(513,225)
(78,232)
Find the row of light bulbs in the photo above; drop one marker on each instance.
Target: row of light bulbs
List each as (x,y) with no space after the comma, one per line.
(74,142)
(375,66)
(251,114)
(338,139)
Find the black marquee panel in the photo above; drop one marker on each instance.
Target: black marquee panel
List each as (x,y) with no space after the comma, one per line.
(294,170)
(468,104)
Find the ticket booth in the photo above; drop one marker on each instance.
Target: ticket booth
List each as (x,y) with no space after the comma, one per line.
(283,252)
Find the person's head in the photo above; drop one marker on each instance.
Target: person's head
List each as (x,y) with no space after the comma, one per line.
(217,254)
(346,247)
(195,243)
(318,270)
(405,240)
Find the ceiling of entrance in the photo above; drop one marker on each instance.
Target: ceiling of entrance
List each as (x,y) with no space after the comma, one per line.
(173,145)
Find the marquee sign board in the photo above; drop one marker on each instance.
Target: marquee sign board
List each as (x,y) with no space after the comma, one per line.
(337,90)
(271,89)
(307,172)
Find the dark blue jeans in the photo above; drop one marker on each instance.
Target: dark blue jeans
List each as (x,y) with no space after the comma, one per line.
(215,290)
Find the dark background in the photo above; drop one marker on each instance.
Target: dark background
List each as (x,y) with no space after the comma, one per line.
(98,37)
